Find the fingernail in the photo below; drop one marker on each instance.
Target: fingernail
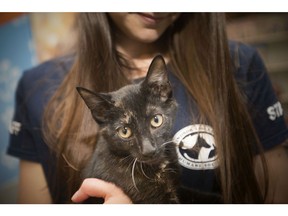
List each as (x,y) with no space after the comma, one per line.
(74,196)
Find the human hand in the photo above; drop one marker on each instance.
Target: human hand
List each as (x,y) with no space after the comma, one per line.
(92,187)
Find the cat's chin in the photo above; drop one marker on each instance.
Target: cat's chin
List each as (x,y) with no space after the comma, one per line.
(151,161)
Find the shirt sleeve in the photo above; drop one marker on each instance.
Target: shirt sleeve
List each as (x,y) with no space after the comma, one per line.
(21,143)
(33,92)
(265,109)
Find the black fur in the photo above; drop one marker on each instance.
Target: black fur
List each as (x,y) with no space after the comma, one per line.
(142,165)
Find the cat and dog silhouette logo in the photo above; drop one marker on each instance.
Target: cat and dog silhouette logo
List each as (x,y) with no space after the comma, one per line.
(196,147)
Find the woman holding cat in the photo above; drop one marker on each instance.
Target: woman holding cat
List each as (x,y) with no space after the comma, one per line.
(228,125)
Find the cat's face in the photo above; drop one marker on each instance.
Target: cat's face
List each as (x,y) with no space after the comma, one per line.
(136,120)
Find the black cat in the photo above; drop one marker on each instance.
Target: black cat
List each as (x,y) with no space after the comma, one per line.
(134,149)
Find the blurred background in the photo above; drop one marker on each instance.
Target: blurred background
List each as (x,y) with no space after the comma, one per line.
(27,39)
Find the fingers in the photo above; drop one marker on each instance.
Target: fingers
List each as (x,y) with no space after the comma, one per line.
(92,187)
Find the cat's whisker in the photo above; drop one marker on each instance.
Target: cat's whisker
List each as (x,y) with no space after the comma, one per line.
(144,172)
(126,159)
(168,142)
(133,179)
(128,156)
(130,164)
(170,170)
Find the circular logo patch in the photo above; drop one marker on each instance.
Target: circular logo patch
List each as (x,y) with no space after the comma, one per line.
(196,147)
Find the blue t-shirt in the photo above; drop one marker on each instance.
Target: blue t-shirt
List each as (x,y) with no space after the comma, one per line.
(197,151)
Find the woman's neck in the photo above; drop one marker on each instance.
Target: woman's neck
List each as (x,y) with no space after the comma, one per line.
(139,54)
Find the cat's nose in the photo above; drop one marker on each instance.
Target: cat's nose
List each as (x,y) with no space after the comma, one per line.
(147,148)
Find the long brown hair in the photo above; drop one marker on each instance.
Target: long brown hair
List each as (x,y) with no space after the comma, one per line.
(199,57)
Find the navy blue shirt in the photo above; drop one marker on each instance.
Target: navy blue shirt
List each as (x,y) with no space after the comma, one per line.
(38,84)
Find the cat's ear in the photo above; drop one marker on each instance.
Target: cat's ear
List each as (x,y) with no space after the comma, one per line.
(98,103)
(157,72)
(157,80)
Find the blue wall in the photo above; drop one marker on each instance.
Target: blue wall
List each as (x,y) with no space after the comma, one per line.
(16,55)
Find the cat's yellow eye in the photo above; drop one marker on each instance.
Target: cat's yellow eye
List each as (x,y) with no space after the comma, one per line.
(156,121)
(124,132)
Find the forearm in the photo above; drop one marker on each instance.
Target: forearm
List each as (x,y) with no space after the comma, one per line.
(33,188)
